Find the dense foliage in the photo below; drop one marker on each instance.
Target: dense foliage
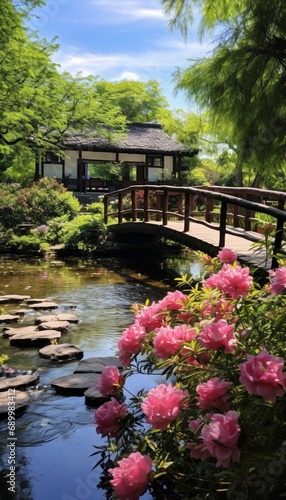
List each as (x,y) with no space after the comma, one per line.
(212,425)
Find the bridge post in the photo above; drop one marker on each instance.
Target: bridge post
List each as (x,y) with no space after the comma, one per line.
(165,207)
(278,236)
(222,227)
(146,205)
(120,207)
(105,203)
(187,212)
(133,205)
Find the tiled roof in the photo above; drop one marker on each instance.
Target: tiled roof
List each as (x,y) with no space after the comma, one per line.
(139,138)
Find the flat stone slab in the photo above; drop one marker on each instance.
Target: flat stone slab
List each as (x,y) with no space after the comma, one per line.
(61,352)
(38,339)
(36,300)
(61,326)
(12,299)
(44,305)
(94,398)
(75,384)
(29,330)
(96,365)
(71,318)
(9,318)
(20,399)
(18,382)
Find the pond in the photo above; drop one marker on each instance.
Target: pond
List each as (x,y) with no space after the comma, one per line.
(56,434)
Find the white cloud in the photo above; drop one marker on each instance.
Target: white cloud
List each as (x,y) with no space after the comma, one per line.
(127,75)
(130,10)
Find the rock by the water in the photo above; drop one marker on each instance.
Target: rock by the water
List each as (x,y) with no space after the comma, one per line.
(75,384)
(94,398)
(9,318)
(36,300)
(18,382)
(29,330)
(21,400)
(12,299)
(61,326)
(96,365)
(38,339)
(45,318)
(44,305)
(71,318)
(61,352)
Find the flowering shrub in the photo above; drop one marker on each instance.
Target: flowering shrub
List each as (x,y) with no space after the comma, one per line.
(215,425)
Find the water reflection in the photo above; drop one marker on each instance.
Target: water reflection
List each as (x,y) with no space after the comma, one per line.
(55,436)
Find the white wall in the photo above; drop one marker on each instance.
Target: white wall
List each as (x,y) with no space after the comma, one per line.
(71,164)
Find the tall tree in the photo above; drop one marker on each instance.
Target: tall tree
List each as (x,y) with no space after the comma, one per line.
(242,83)
(39,105)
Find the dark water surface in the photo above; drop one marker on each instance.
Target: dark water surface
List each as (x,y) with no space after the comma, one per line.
(55,436)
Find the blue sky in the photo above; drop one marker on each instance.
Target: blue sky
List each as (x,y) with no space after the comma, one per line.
(117,40)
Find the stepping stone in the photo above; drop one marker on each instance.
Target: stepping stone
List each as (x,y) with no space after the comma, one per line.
(61,326)
(36,301)
(38,339)
(71,318)
(11,299)
(29,330)
(61,352)
(19,382)
(8,318)
(96,365)
(75,384)
(20,399)
(44,305)
(94,398)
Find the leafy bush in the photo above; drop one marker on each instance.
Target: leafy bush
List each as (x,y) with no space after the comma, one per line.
(38,204)
(27,244)
(84,233)
(214,427)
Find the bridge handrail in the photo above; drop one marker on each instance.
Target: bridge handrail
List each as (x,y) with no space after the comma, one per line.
(210,193)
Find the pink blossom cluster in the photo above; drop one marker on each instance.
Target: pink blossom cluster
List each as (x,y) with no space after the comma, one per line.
(233,281)
(217,439)
(131,476)
(130,342)
(214,394)
(277,280)
(168,340)
(263,375)
(108,418)
(227,256)
(110,382)
(218,335)
(163,404)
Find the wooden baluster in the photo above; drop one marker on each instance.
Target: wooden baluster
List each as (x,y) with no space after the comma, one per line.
(146,205)
(105,202)
(209,209)
(120,207)
(278,236)
(187,212)
(223,215)
(133,205)
(165,207)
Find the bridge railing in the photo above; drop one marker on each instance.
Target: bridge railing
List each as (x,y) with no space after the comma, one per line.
(229,210)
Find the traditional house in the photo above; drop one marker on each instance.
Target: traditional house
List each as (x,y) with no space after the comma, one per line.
(146,154)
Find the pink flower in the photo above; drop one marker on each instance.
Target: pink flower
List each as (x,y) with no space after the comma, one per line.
(218,334)
(213,394)
(108,418)
(197,448)
(227,256)
(130,342)
(220,438)
(150,317)
(235,281)
(173,301)
(131,477)
(262,375)
(222,309)
(110,381)
(163,404)
(278,280)
(168,340)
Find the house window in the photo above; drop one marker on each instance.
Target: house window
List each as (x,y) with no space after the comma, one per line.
(52,157)
(155,161)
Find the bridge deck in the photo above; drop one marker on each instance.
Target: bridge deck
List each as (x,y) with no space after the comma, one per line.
(239,244)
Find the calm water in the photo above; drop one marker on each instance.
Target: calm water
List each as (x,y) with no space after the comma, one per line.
(55,436)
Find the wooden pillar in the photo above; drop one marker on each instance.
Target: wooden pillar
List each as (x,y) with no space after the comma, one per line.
(80,171)
(222,228)
(187,212)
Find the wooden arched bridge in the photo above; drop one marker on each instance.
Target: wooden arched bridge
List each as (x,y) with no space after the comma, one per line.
(205,219)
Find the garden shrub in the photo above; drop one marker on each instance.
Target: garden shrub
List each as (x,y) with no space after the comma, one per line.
(37,204)
(85,233)
(214,426)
